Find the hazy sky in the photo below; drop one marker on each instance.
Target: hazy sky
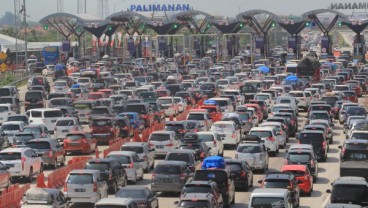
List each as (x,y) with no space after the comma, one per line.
(37,9)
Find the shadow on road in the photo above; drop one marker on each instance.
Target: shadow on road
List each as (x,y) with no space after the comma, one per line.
(333,150)
(316,194)
(332,160)
(322,180)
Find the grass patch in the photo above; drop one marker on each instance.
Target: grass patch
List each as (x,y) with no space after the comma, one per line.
(342,42)
(6,79)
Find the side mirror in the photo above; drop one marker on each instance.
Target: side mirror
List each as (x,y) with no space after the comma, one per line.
(40,154)
(176,203)
(260,181)
(340,147)
(328,191)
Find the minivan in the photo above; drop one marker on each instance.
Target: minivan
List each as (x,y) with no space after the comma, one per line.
(33,99)
(45,116)
(266,197)
(163,142)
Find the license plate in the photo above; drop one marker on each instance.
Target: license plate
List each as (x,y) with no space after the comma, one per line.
(64,130)
(9,165)
(79,190)
(53,121)
(160,146)
(74,144)
(167,180)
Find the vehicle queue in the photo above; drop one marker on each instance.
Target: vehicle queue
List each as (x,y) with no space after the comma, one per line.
(229,106)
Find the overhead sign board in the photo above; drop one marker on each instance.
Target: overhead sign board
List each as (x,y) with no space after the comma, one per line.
(349,5)
(159,8)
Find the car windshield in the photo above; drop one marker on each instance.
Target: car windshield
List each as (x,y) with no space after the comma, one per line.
(131,193)
(167,169)
(38,145)
(249,149)
(278,183)
(159,137)
(33,95)
(123,159)
(80,178)
(350,194)
(164,101)
(309,138)
(4,109)
(267,202)
(357,155)
(261,134)
(299,157)
(178,157)
(97,166)
(277,108)
(296,94)
(102,122)
(323,116)
(17,118)
(356,111)
(10,127)
(32,130)
(234,167)
(207,86)
(98,111)
(22,138)
(196,116)
(137,150)
(174,127)
(222,128)
(10,156)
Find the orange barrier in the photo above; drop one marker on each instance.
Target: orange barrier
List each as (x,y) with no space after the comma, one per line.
(57,178)
(13,196)
(145,134)
(137,138)
(40,181)
(183,115)
(159,126)
(216,116)
(97,152)
(115,146)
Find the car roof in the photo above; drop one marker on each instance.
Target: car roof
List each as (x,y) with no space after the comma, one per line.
(339,205)
(267,128)
(15,149)
(114,201)
(85,171)
(172,162)
(134,144)
(269,192)
(278,175)
(350,180)
(186,151)
(125,153)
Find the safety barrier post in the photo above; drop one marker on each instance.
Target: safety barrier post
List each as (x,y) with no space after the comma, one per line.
(97,153)
(40,182)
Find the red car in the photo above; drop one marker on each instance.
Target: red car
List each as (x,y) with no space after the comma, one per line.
(79,142)
(350,95)
(96,95)
(304,177)
(258,108)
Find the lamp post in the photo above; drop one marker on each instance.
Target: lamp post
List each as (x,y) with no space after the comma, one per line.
(116,3)
(239,6)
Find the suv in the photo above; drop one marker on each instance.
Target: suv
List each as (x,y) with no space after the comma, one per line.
(34,99)
(266,197)
(318,140)
(143,151)
(285,181)
(353,158)
(198,200)
(111,171)
(185,156)
(253,151)
(22,162)
(202,116)
(144,111)
(303,154)
(268,136)
(241,173)
(104,129)
(50,150)
(170,176)
(349,190)
(224,182)
(203,187)
(163,142)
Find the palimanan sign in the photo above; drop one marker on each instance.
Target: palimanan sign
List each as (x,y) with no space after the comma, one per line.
(349,5)
(160,8)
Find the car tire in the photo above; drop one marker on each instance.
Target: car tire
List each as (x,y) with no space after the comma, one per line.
(55,164)
(331,140)
(233,201)
(114,188)
(309,193)
(41,169)
(153,165)
(62,163)
(30,175)
(245,188)
(146,170)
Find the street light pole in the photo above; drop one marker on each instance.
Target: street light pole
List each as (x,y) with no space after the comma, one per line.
(116,3)
(23,10)
(239,6)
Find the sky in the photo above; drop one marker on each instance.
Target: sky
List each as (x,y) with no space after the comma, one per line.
(38,9)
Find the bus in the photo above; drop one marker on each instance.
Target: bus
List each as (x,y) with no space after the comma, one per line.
(51,55)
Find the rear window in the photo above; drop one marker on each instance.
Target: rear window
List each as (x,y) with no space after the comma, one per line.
(78,106)
(356,111)
(206,137)
(178,157)
(141,109)
(296,94)
(65,123)
(222,128)
(324,116)
(10,127)
(102,122)
(308,138)
(276,183)
(199,204)
(33,96)
(234,167)
(97,166)
(174,127)
(4,109)
(10,156)
(75,137)
(167,169)
(6,100)
(295,172)
(52,113)
(123,159)
(361,135)
(261,134)
(160,137)
(4,92)
(249,149)
(80,178)
(22,138)
(132,148)
(98,111)
(268,202)
(330,100)
(207,87)
(299,157)
(220,177)
(38,145)
(196,116)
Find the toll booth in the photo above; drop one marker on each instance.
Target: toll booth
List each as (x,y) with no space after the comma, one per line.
(326,44)
(294,47)
(359,44)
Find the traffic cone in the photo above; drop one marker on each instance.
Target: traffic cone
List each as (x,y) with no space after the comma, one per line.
(41,181)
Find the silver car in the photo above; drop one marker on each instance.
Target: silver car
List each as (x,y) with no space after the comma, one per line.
(131,163)
(254,153)
(84,186)
(343,109)
(170,176)
(213,141)
(280,132)
(144,152)
(44,197)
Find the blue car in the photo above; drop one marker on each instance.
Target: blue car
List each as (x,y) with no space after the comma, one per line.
(135,121)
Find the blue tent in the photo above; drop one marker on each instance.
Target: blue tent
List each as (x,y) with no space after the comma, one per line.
(291,78)
(75,86)
(60,67)
(264,69)
(213,162)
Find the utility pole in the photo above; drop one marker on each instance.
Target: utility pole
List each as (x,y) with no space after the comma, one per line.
(23,11)
(15,30)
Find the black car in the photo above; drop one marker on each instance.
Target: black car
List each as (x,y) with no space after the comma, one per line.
(290,122)
(180,127)
(20,139)
(111,170)
(353,158)
(303,157)
(125,128)
(241,172)
(200,149)
(318,140)
(34,99)
(209,88)
(283,180)
(349,190)
(143,196)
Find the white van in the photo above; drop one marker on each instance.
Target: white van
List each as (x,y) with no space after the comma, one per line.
(270,197)
(163,142)
(63,126)
(5,111)
(45,116)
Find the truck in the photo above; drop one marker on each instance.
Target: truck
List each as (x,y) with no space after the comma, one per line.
(309,66)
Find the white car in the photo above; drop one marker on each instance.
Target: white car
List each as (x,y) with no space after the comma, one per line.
(169,105)
(63,126)
(237,93)
(280,133)
(227,131)
(131,163)
(5,111)
(182,104)
(212,141)
(268,136)
(50,70)
(61,86)
(84,186)
(10,128)
(143,151)
(22,162)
